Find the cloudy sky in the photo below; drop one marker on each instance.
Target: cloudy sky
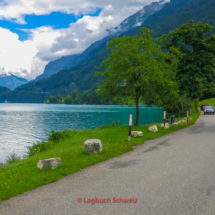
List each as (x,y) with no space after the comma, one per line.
(35,32)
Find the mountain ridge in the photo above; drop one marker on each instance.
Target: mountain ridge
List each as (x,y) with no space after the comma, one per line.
(11,81)
(67,62)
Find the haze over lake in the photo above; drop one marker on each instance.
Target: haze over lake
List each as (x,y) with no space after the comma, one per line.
(21,125)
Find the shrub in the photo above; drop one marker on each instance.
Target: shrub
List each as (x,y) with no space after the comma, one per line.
(56,136)
(103,126)
(196,105)
(173,106)
(113,123)
(177,114)
(37,148)
(53,139)
(13,157)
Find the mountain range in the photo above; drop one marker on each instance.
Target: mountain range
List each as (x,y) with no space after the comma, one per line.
(80,76)
(11,81)
(135,20)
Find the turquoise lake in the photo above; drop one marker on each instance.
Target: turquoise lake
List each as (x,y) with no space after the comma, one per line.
(21,125)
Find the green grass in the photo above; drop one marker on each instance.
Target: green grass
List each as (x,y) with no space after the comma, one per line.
(208,101)
(21,176)
(12,158)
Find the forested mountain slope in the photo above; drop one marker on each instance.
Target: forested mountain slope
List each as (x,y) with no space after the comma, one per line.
(55,66)
(4,89)
(178,12)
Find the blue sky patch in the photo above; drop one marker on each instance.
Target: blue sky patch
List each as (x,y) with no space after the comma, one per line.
(57,20)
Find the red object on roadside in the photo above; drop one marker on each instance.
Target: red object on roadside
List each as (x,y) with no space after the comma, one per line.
(203,106)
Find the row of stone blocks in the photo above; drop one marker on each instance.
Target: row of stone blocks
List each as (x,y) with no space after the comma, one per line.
(93,146)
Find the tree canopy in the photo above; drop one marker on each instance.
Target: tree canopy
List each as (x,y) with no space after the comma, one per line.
(137,68)
(196,69)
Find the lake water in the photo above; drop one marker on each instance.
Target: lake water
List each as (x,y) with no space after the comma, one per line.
(22,125)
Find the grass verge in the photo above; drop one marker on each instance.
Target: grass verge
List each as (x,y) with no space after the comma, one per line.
(21,176)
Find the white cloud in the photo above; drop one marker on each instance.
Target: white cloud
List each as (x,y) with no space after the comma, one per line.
(17,9)
(45,44)
(15,56)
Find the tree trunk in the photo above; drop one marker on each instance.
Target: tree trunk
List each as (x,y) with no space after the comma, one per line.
(177,107)
(191,104)
(182,103)
(137,111)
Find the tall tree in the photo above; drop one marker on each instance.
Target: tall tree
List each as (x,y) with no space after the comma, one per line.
(137,67)
(196,69)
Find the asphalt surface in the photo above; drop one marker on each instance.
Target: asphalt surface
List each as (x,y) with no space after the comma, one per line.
(171,175)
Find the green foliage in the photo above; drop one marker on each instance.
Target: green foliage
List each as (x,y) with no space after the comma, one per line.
(181,114)
(56,65)
(103,126)
(54,138)
(196,105)
(173,105)
(54,99)
(86,97)
(11,158)
(197,66)
(4,89)
(177,114)
(137,67)
(113,124)
(176,13)
(38,147)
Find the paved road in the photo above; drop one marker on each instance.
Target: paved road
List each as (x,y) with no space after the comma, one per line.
(171,175)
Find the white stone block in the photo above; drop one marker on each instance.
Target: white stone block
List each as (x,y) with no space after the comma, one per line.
(153,128)
(166,125)
(51,163)
(174,124)
(137,133)
(93,146)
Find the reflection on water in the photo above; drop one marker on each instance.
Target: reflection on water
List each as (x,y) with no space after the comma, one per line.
(23,124)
